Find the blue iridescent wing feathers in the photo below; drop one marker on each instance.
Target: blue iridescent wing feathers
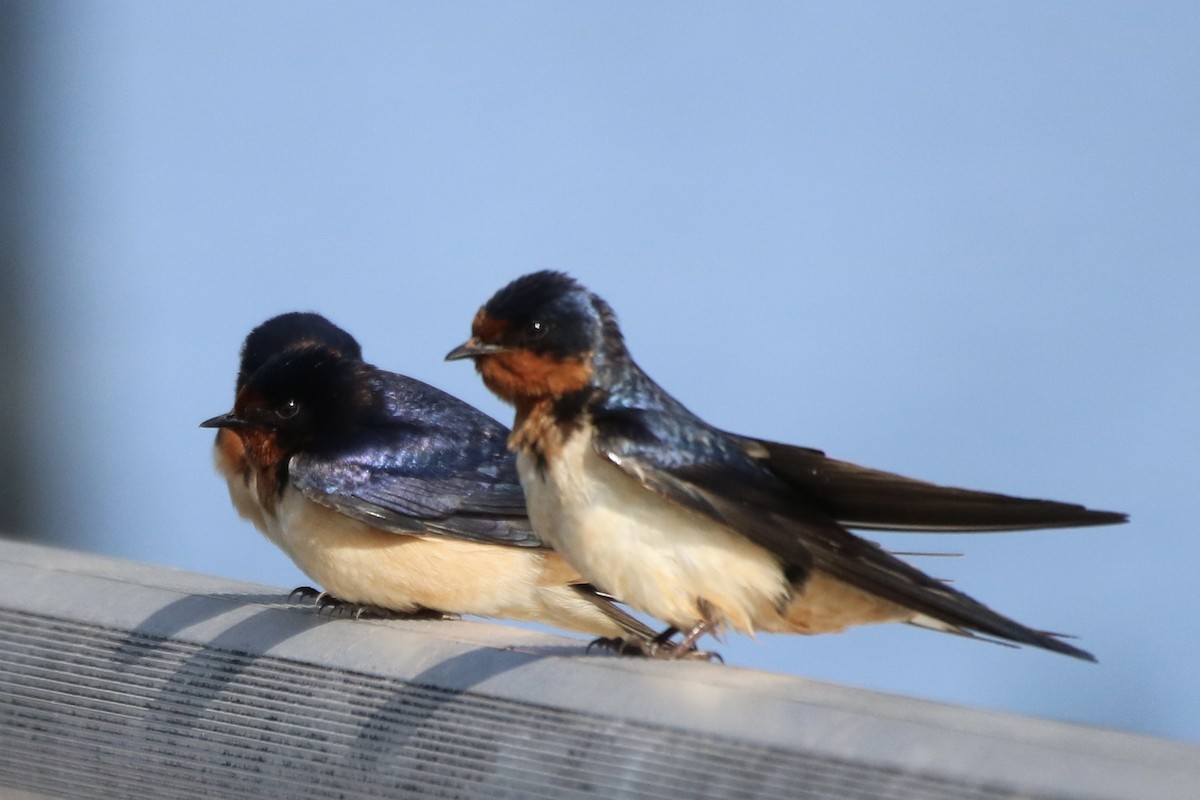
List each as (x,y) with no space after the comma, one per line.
(421,461)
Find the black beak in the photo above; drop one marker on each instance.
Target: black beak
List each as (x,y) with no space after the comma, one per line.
(230,420)
(473,348)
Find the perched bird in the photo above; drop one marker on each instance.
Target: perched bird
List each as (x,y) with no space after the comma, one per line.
(279,333)
(389,493)
(705,529)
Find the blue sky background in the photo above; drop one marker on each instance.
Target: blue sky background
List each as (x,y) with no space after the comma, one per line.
(953,240)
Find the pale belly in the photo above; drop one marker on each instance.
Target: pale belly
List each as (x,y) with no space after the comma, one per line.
(675,564)
(655,556)
(361,564)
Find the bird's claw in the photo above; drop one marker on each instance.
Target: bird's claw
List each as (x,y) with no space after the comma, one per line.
(325,602)
(616,645)
(302,593)
(657,648)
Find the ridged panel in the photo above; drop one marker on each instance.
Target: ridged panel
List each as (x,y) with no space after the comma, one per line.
(87,712)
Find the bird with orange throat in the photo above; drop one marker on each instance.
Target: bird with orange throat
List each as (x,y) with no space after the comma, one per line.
(708,530)
(389,493)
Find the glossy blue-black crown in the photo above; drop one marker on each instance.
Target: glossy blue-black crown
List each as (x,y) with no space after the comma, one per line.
(549,312)
(293,329)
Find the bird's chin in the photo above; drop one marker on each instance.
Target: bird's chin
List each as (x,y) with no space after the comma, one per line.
(499,381)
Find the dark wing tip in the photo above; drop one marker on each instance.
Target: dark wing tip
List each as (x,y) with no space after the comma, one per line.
(1044,640)
(862,497)
(1074,652)
(1106,517)
(1054,643)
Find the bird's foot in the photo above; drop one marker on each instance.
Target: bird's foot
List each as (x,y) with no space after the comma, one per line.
(325,602)
(618,646)
(685,648)
(660,647)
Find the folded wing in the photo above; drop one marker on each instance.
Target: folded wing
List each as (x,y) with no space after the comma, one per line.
(715,476)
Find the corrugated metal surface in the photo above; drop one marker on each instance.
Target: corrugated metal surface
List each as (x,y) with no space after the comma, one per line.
(86,708)
(209,695)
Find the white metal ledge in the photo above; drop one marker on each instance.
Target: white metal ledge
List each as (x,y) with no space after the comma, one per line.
(128,680)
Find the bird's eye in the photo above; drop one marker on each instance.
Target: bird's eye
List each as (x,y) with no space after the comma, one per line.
(287,409)
(537,328)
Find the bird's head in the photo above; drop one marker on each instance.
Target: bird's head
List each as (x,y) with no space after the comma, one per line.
(295,399)
(539,337)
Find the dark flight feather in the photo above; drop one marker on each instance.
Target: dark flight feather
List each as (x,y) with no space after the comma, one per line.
(860,497)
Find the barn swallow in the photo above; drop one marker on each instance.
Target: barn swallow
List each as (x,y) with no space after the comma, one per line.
(707,530)
(277,334)
(394,495)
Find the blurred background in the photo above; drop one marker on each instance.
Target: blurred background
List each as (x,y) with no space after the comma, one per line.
(957,241)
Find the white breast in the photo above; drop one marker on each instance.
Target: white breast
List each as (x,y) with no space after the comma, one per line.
(361,564)
(650,553)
